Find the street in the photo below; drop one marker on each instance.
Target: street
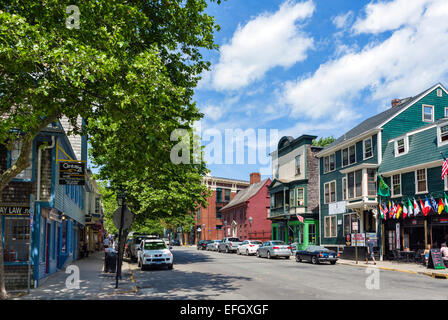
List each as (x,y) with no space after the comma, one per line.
(212,275)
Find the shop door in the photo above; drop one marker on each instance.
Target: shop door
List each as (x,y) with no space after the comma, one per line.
(47,247)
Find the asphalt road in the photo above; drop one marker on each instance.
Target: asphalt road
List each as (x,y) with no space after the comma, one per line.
(201,275)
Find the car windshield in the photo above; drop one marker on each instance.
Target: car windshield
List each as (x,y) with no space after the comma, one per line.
(234,239)
(277,243)
(317,248)
(155,245)
(255,242)
(217,241)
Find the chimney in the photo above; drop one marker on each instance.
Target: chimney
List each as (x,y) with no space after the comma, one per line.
(395,102)
(255,177)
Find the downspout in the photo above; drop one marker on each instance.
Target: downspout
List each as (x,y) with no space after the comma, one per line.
(39,163)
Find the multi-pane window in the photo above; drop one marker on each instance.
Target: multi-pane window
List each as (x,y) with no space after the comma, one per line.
(227,195)
(16,239)
(330,227)
(218,213)
(344,188)
(329,163)
(368,148)
(330,192)
(428,113)
(444,133)
(396,185)
(348,156)
(354,184)
(439,92)
(311,233)
(297,165)
(300,231)
(371,182)
(400,146)
(300,196)
(15,153)
(421,181)
(291,197)
(218,195)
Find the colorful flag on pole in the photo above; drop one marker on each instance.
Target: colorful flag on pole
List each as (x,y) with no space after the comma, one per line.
(441,206)
(383,188)
(444,166)
(405,210)
(399,210)
(300,218)
(381,211)
(421,205)
(427,208)
(385,210)
(410,207)
(434,205)
(446,202)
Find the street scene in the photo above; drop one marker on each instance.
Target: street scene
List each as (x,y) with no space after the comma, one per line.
(223,150)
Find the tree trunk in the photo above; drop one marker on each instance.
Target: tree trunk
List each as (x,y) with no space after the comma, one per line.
(3,293)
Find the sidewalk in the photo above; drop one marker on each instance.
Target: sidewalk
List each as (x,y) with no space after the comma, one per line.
(413,268)
(93,283)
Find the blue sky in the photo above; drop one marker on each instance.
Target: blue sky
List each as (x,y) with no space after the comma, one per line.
(314,67)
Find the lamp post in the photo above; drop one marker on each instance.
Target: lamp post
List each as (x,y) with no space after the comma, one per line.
(224,230)
(120,202)
(203,230)
(250,227)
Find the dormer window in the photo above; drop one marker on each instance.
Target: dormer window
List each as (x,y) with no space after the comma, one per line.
(439,92)
(428,113)
(401,146)
(442,135)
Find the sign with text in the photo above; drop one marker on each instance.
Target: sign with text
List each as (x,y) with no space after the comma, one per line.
(358,239)
(14,210)
(373,238)
(72,173)
(436,260)
(336,207)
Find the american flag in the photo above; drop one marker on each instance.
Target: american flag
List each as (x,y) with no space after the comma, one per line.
(444,167)
(300,217)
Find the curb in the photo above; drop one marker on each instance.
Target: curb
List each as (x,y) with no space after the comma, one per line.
(430,274)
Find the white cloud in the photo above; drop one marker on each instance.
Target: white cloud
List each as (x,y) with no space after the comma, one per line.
(213,112)
(270,40)
(412,59)
(342,20)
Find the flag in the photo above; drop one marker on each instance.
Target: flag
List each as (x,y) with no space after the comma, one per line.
(381,211)
(446,203)
(299,217)
(385,210)
(405,210)
(390,210)
(422,206)
(410,207)
(441,206)
(416,207)
(383,188)
(434,204)
(444,166)
(394,210)
(427,208)
(399,210)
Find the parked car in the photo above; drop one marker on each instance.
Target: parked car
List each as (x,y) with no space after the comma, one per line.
(154,252)
(133,244)
(202,244)
(167,241)
(229,245)
(213,245)
(294,247)
(248,247)
(175,242)
(275,248)
(317,254)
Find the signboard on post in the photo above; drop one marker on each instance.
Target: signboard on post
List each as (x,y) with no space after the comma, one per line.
(435,259)
(358,239)
(128,218)
(72,173)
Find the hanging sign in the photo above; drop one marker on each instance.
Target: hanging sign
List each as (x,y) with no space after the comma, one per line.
(72,173)
(14,210)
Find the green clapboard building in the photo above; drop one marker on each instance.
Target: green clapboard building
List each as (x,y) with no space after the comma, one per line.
(294,191)
(403,144)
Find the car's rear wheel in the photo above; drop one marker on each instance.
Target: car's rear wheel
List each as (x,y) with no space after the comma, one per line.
(333,262)
(258,254)
(247,252)
(314,260)
(227,249)
(268,255)
(298,258)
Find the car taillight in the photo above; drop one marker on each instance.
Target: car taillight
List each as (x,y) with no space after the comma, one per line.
(339,254)
(231,244)
(320,254)
(251,245)
(289,248)
(275,248)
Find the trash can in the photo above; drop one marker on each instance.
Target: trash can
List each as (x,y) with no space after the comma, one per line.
(110,262)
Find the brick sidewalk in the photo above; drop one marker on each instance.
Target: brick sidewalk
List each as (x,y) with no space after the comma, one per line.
(94,284)
(399,267)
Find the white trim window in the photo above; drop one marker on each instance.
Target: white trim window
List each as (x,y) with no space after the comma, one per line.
(300,197)
(344,188)
(439,93)
(330,163)
(298,165)
(427,113)
(330,192)
(371,182)
(367,148)
(442,135)
(421,182)
(349,156)
(396,185)
(401,146)
(354,184)
(330,227)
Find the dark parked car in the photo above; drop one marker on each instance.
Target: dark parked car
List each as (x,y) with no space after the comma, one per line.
(175,242)
(202,244)
(317,254)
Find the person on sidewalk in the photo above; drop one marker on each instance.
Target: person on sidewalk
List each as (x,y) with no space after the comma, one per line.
(106,242)
(444,251)
(369,252)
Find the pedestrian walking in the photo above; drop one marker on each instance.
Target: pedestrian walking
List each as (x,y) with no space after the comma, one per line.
(369,253)
(106,243)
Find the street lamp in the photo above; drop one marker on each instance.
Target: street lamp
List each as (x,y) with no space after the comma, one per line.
(250,227)
(223,230)
(121,203)
(203,230)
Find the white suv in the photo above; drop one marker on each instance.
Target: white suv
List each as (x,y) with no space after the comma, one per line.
(154,253)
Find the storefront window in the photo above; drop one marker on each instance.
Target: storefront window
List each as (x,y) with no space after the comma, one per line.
(300,233)
(17,239)
(311,233)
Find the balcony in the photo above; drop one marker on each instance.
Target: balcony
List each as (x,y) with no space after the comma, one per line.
(276,212)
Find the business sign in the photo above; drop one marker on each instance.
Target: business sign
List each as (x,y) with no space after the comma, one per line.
(14,210)
(373,238)
(72,173)
(355,225)
(358,239)
(336,207)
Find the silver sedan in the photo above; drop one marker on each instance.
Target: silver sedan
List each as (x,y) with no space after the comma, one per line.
(213,246)
(274,248)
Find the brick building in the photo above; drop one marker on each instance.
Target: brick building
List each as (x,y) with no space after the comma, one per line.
(246,216)
(209,223)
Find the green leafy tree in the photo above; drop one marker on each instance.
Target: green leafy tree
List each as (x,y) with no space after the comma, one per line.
(323,142)
(129,64)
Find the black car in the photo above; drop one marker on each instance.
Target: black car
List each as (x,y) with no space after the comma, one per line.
(175,242)
(202,244)
(317,254)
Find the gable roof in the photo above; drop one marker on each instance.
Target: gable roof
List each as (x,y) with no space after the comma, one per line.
(380,119)
(245,194)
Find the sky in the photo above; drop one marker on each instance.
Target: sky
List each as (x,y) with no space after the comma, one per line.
(315,67)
